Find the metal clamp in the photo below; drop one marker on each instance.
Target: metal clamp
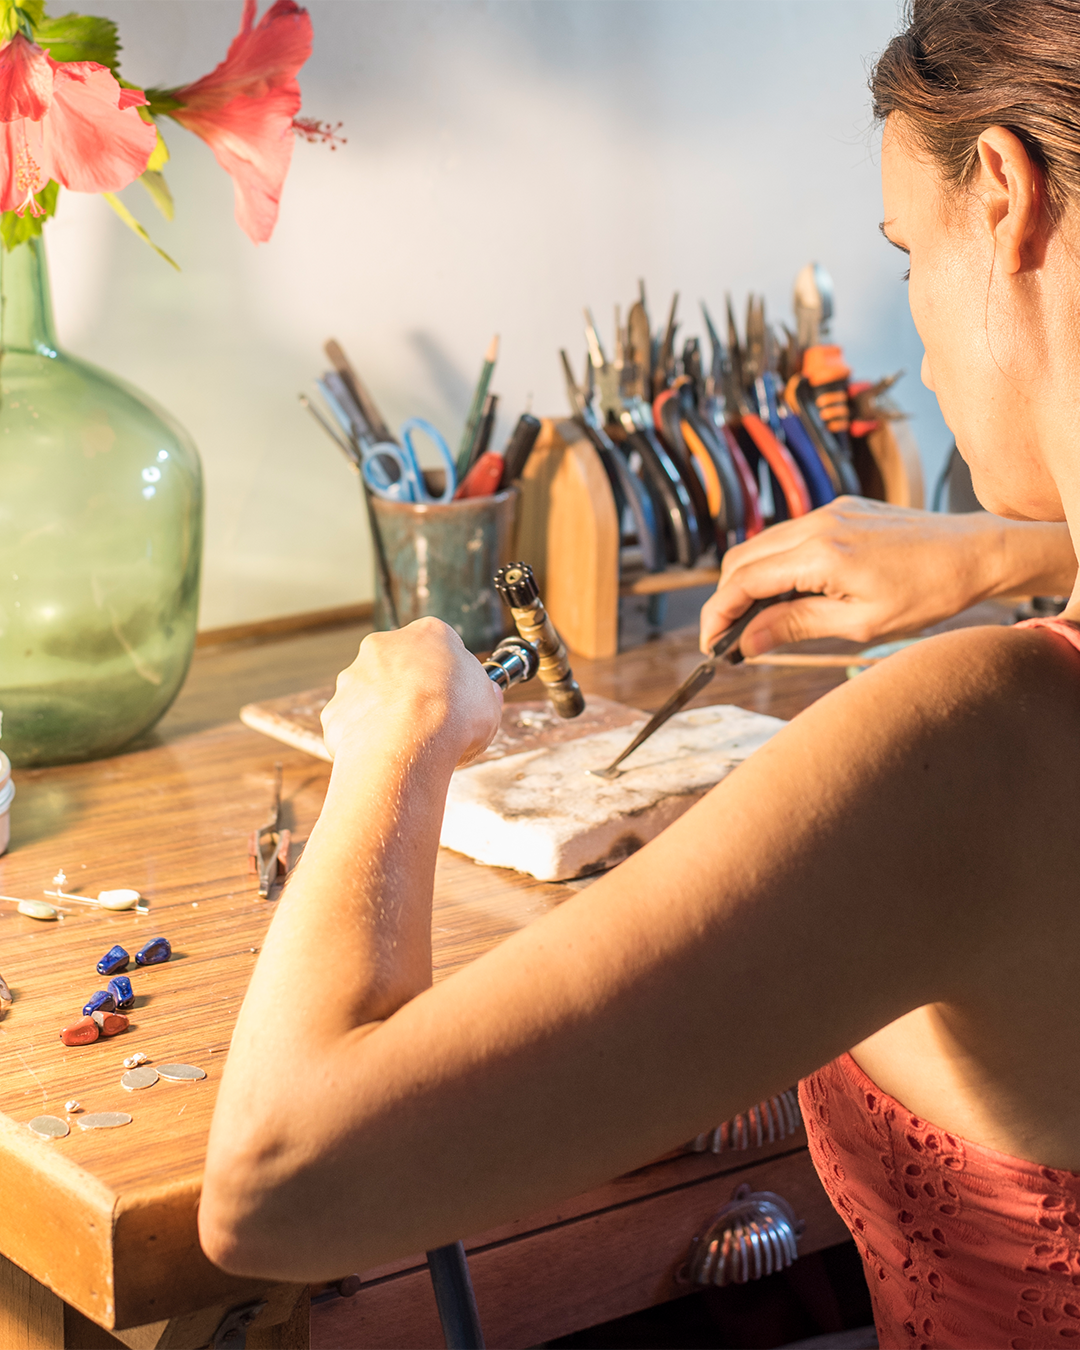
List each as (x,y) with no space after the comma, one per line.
(232,1331)
(755,1234)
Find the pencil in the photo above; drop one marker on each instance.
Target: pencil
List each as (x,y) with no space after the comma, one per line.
(487,426)
(476,410)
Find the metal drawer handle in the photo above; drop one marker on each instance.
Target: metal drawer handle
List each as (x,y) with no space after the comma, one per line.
(755,1234)
(765,1123)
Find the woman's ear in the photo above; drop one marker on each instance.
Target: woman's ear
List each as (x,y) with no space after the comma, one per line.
(1008,187)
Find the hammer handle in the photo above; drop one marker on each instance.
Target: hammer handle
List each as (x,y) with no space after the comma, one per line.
(534,626)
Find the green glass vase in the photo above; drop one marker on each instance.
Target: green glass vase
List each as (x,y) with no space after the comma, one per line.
(100,541)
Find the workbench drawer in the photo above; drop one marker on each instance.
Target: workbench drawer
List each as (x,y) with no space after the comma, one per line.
(584,1264)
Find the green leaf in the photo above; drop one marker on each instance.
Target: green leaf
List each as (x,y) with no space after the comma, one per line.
(154,182)
(16,18)
(132,224)
(80,37)
(16,229)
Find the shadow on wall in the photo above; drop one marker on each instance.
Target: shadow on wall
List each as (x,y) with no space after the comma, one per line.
(441,371)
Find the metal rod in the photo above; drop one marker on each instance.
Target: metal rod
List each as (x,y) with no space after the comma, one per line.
(454,1298)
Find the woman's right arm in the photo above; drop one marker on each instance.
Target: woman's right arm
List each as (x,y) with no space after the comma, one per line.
(856,867)
(876,569)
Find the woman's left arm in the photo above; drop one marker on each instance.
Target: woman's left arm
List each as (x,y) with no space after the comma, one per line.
(850,871)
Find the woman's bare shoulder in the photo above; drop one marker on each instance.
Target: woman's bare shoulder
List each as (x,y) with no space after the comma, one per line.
(974,735)
(1012,679)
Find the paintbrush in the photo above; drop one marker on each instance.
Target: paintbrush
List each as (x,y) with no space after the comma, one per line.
(476,409)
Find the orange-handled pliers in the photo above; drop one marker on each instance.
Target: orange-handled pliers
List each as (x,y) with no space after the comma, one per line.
(779,460)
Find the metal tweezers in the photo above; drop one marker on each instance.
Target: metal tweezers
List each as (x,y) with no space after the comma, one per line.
(724,646)
(268,847)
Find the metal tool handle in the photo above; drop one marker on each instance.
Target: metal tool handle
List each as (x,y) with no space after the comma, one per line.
(517,586)
(755,1234)
(514,661)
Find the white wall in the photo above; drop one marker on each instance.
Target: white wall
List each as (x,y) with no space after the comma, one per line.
(507,162)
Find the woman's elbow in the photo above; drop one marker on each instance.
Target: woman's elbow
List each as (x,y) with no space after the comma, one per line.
(230,1234)
(242,1228)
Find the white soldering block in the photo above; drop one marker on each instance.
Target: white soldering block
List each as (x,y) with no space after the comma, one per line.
(542,812)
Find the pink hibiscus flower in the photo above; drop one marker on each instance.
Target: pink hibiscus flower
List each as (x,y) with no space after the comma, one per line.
(244,109)
(66,120)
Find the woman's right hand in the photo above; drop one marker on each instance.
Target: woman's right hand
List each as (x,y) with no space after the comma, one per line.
(873,569)
(418,685)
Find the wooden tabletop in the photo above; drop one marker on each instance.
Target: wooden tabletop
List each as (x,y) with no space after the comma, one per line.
(107,1218)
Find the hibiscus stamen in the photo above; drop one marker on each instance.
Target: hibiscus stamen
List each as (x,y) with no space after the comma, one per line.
(315,132)
(28,180)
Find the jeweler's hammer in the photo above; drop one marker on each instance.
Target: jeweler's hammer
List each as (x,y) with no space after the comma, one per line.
(510,661)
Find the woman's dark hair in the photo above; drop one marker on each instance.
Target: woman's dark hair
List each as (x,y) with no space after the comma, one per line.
(961,66)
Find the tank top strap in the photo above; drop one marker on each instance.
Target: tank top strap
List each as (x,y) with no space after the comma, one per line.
(1063,627)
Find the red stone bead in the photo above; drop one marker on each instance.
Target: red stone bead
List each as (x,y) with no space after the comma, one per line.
(81,1032)
(110,1023)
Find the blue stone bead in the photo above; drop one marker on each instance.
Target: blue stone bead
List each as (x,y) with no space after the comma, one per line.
(114,959)
(155,951)
(121,990)
(103,1001)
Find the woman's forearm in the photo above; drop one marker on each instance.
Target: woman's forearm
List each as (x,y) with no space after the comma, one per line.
(873,569)
(349,945)
(359,902)
(1037,558)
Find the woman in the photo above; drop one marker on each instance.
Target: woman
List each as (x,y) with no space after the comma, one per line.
(874,863)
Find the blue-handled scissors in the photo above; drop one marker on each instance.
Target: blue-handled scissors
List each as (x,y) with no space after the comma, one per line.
(393,471)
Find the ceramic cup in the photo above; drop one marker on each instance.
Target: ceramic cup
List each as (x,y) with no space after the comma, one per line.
(7,791)
(441,560)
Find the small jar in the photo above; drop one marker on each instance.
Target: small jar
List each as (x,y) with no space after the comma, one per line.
(7,791)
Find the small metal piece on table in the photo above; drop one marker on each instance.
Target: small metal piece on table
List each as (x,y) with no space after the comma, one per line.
(49,1127)
(232,1331)
(104,1120)
(181,1073)
(135,1079)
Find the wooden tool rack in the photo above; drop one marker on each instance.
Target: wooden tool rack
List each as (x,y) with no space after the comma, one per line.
(569,530)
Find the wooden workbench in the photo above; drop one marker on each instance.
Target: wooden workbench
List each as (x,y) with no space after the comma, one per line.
(98,1230)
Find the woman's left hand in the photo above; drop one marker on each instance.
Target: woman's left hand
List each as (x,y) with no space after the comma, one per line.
(418,684)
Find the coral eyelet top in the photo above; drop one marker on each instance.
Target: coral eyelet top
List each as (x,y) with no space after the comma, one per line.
(962,1246)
